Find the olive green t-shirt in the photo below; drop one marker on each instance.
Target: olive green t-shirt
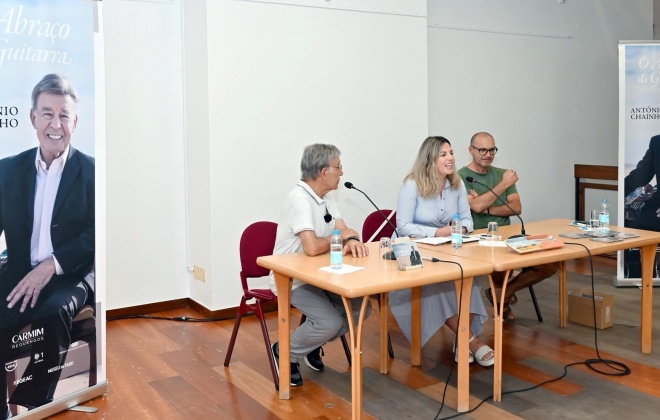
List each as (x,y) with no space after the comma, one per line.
(491,178)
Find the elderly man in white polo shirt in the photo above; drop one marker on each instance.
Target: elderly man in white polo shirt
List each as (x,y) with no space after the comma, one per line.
(308,218)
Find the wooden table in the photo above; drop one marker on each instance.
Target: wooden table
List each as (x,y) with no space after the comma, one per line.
(379,277)
(506,260)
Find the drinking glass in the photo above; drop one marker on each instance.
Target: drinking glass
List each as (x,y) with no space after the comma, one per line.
(493,231)
(593,219)
(385,248)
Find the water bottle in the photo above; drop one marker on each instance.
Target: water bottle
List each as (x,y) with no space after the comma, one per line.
(604,216)
(456,232)
(336,246)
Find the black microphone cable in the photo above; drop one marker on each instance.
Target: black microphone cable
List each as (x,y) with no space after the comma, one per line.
(619,368)
(458,322)
(471,180)
(350,186)
(166,318)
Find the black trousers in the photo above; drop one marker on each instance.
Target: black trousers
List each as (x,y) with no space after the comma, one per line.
(49,337)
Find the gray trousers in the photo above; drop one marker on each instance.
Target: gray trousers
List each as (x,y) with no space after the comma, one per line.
(326,318)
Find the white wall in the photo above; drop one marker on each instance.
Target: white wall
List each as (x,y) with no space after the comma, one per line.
(146,247)
(542,77)
(282,77)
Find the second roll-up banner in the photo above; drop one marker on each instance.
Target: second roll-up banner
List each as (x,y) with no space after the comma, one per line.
(639,146)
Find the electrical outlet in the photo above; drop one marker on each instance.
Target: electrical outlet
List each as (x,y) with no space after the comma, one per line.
(199,273)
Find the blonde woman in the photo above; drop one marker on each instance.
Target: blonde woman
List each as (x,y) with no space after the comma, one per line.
(432,193)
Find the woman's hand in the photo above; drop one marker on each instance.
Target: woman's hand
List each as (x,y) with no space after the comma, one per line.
(443,231)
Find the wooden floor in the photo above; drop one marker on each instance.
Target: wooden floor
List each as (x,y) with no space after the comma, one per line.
(174,370)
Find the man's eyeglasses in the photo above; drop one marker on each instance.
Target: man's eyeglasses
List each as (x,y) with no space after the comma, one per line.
(336,167)
(483,152)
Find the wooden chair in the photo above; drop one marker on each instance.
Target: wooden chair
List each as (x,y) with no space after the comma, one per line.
(374,228)
(258,240)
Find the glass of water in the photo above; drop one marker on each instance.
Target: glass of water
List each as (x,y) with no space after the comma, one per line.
(593,219)
(386,248)
(493,230)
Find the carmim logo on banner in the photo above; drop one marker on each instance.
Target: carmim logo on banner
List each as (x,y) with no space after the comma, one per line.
(28,337)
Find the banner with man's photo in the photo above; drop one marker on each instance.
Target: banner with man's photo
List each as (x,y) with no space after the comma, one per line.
(639,146)
(52,323)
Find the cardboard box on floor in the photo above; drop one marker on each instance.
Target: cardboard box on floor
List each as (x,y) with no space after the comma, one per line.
(581,310)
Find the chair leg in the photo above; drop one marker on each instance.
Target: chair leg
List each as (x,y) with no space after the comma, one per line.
(536,304)
(234,333)
(264,330)
(243,309)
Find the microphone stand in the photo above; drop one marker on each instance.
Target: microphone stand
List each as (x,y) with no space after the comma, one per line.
(388,255)
(515,213)
(350,186)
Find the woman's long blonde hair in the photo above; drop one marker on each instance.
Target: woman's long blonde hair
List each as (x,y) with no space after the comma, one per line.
(425,171)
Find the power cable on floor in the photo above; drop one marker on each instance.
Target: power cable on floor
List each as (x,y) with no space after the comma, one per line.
(618,368)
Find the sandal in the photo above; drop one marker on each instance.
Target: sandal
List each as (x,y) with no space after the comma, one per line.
(482,352)
(512,300)
(470,359)
(508,314)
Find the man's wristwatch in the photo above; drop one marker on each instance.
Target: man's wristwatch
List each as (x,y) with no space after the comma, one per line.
(355,238)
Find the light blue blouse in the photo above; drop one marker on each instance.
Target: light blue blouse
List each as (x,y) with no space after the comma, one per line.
(417,216)
(420,217)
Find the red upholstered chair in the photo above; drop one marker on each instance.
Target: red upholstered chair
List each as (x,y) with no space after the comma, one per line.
(374,228)
(258,240)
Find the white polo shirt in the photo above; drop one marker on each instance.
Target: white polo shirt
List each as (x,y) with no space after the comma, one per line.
(303,210)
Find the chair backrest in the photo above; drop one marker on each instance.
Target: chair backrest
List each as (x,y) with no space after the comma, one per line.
(257,240)
(375,226)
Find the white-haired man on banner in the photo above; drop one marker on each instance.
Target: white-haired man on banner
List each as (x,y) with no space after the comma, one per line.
(47,217)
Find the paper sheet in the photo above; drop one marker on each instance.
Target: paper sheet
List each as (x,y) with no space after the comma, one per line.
(345,269)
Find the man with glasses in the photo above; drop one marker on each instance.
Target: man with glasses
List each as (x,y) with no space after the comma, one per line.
(309,216)
(486,207)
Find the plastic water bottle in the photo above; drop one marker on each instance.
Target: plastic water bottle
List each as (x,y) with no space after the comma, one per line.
(604,216)
(336,246)
(456,232)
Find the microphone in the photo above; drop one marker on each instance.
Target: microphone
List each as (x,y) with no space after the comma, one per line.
(388,255)
(515,213)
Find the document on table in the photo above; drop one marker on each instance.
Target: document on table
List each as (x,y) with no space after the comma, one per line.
(445,239)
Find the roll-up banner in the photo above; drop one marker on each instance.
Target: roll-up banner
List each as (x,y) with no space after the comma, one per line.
(639,150)
(52,144)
